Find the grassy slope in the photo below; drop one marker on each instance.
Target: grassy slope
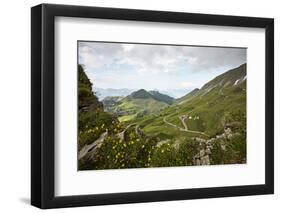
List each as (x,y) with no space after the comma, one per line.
(188,96)
(211,108)
(135,107)
(170,147)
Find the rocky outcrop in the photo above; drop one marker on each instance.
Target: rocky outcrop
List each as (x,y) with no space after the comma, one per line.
(121,135)
(89,151)
(205,146)
(202,158)
(139,132)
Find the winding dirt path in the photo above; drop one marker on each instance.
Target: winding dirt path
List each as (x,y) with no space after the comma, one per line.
(121,135)
(87,148)
(185,129)
(173,125)
(182,118)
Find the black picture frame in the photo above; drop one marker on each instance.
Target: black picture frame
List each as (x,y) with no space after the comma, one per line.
(43,105)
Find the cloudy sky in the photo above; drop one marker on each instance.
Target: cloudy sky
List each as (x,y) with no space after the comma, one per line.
(161,67)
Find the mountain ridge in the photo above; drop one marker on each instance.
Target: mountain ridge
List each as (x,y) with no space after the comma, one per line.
(231,77)
(208,108)
(234,77)
(137,104)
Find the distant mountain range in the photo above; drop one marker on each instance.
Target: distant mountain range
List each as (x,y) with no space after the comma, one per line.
(141,102)
(137,104)
(143,94)
(109,92)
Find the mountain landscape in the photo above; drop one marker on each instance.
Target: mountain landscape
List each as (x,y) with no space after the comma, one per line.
(143,128)
(102,93)
(137,104)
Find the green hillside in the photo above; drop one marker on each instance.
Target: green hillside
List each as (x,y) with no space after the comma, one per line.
(188,96)
(219,106)
(162,97)
(207,107)
(137,104)
(205,113)
(205,127)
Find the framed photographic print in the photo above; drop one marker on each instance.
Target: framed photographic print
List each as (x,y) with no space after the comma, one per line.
(139,106)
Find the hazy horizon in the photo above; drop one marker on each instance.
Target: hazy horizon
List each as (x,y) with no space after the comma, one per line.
(107,92)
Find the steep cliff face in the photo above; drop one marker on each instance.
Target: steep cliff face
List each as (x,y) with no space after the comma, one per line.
(91,112)
(87,99)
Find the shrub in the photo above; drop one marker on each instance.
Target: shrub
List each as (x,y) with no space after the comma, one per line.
(168,154)
(133,152)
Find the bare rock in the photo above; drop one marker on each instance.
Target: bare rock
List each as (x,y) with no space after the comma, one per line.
(202,153)
(205,160)
(208,151)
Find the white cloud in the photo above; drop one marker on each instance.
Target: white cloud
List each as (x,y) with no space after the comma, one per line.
(89,58)
(187,84)
(158,58)
(159,66)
